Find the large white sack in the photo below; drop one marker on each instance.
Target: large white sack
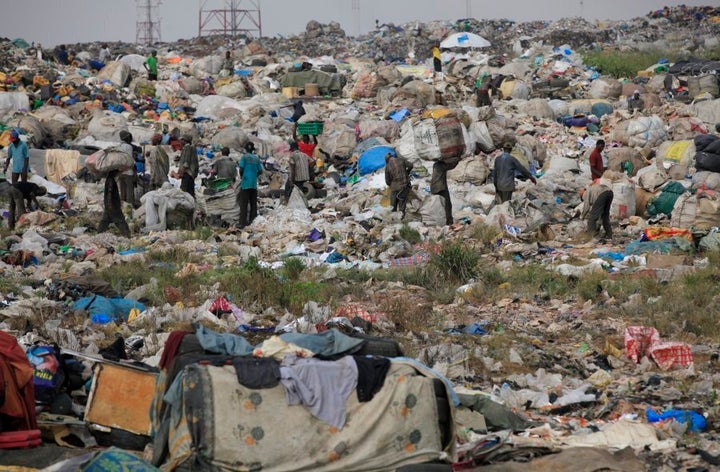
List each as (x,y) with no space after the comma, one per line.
(520,91)
(481,134)
(232,90)
(646,131)
(559,107)
(10,102)
(218,107)
(141,134)
(405,146)
(116,72)
(684,211)
(135,61)
(704,178)
(31,125)
(478,198)
(605,88)
(208,65)
(558,164)
(427,145)
(517,69)
(651,178)
(338,140)
(473,170)
(538,108)
(231,137)
(707,110)
(469,142)
(432,211)
(106,126)
(623,204)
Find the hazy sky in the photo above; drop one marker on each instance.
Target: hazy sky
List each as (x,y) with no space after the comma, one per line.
(53,22)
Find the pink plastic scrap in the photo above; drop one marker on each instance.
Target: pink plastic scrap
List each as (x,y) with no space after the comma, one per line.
(641,341)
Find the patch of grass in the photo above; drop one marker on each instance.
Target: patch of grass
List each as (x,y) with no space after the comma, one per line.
(485,234)
(456,261)
(621,64)
(293,267)
(410,235)
(406,312)
(534,279)
(200,232)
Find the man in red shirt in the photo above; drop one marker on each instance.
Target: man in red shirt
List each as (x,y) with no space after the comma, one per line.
(597,168)
(306,147)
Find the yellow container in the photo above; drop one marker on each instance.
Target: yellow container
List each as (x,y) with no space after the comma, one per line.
(291,92)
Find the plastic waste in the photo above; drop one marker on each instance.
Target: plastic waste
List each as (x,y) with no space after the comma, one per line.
(696,422)
(101,318)
(476,328)
(575,396)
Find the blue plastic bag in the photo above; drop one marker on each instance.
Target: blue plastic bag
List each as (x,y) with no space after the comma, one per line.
(696,421)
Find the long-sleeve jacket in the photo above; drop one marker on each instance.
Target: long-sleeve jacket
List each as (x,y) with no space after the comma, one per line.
(438,181)
(505,168)
(189,160)
(397,172)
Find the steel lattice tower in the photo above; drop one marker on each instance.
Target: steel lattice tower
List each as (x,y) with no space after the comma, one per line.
(147,30)
(231,18)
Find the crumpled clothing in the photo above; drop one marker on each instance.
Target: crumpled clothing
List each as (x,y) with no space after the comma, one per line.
(327,344)
(223,343)
(322,386)
(158,202)
(257,373)
(279,349)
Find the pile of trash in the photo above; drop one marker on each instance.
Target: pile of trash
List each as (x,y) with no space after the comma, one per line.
(86,314)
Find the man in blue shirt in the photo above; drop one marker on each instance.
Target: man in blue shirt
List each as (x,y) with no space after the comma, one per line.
(250,168)
(504,179)
(18,152)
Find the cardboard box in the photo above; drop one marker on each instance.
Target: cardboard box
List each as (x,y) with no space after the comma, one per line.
(291,92)
(120,397)
(667,261)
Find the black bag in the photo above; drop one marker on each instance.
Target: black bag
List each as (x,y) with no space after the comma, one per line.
(707,161)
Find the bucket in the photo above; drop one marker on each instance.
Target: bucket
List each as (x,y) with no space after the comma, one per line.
(311,90)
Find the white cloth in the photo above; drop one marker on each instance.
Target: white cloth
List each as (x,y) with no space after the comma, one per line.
(159,202)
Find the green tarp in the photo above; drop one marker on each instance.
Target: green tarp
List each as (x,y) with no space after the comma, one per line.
(327,84)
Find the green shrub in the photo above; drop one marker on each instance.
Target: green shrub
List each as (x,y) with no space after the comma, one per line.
(410,235)
(456,262)
(292,268)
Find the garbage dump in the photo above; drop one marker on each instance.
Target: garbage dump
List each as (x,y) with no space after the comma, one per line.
(382,257)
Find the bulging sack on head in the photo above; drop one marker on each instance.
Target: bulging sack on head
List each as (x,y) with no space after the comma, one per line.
(102,162)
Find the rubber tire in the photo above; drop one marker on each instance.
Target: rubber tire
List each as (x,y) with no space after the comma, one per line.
(375,346)
(121,439)
(308,190)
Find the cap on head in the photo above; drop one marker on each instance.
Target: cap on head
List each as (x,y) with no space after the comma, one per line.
(126,136)
(636,92)
(14,134)
(507,147)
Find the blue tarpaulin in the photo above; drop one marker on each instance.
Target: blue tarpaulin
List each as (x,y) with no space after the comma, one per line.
(374,159)
(118,308)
